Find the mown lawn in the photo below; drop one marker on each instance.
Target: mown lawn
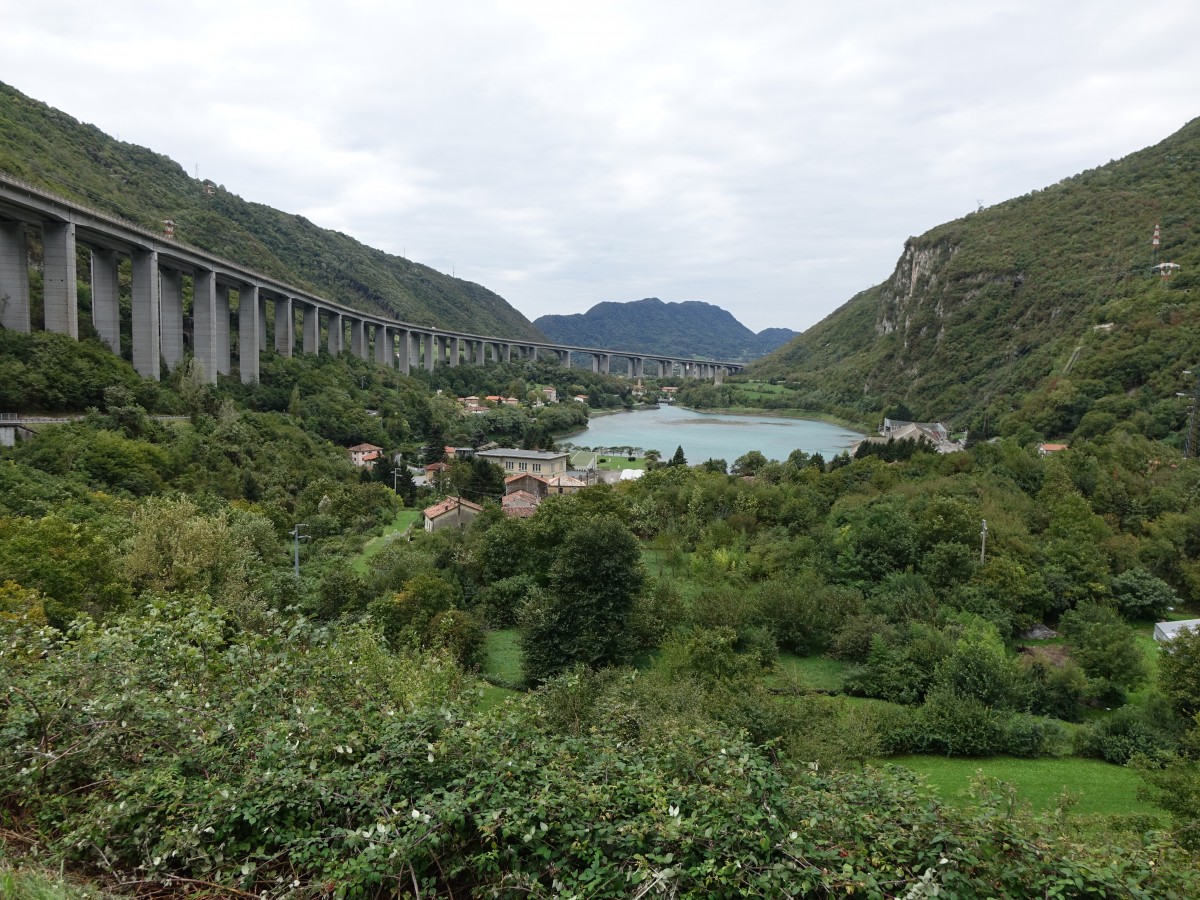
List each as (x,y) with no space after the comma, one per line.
(404,519)
(1099,788)
(502,660)
(817,672)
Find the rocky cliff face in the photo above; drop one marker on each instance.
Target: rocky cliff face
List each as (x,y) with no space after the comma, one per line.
(914,281)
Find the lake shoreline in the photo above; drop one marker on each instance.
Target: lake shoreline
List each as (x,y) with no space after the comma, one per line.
(664,426)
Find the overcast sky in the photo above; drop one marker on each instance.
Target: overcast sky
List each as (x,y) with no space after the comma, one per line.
(768,157)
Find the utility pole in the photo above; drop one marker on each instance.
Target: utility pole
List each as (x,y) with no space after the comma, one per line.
(395,476)
(983,542)
(296,538)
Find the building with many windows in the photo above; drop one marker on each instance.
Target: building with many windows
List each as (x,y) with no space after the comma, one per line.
(534,462)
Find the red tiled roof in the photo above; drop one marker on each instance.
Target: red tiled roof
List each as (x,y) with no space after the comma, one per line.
(363,447)
(517,497)
(440,509)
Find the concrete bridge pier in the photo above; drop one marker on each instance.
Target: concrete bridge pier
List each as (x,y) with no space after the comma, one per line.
(285,326)
(429,343)
(14,277)
(59,292)
(564,358)
(455,351)
(403,343)
(170,311)
(358,338)
(311,329)
(106,311)
(249,334)
(146,345)
(481,353)
(719,377)
(262,323)
(224,361)
(204,320)
(383,346)
(334,334)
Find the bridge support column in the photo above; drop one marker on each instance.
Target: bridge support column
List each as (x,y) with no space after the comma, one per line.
(146,347)
(383,346)
(249,334)
(59,291)
(106,312)
(204,320)
(262,323)
(507,352)
(481,353)
(14,277)
(221,334)
(606,364)
(312,329)
(170,316)
(719,377)
(430,351)
(564,358)
(403,344)
(358,338)
(455,350)
(336,334)
(285,326)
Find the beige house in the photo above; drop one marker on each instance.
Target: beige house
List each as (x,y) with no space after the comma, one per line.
(453,512)
(535,462)
(364,454)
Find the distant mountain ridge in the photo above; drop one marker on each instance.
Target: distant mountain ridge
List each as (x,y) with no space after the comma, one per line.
(686,328)
(49,148)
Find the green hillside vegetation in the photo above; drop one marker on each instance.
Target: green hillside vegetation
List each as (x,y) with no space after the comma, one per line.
(51,149)
(177,707)
(690,684)
(689,329)
(1039,316)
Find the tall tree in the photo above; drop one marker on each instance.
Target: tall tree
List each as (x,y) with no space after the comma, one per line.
(582,618)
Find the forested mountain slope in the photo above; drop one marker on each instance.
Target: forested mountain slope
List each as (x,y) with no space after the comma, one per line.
(50,148)
(1036,312)
(690,328)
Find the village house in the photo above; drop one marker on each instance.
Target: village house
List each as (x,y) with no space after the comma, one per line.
(453,512)
(535,462)
(519,504)
(364,454)
(1045,450)
(540,486)
(551,394)
(936,434)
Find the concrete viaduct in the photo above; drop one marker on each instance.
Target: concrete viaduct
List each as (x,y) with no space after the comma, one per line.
(301,321)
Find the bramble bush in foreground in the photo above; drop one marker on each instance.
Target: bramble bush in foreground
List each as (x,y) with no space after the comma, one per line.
(170,746)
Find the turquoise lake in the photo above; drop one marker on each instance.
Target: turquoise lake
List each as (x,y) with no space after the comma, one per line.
(713,435)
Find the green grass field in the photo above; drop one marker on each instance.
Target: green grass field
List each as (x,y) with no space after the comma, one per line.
(404,519)
(1099,788)
(503,661)
(617,463)
(817,672)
